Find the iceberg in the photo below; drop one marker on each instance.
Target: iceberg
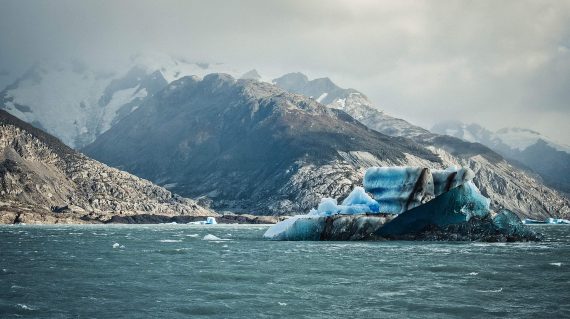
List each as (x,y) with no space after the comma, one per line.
(411,203)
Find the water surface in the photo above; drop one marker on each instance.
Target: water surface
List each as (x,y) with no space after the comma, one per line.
(168,271)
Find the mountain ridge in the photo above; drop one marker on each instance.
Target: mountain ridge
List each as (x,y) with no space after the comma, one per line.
(234,138)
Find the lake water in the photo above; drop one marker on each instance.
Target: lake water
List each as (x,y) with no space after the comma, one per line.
(169,271)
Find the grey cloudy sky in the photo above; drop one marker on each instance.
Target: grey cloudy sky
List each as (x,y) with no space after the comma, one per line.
(498,63)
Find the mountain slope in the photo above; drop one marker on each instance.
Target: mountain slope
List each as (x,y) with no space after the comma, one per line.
(542,155)
(39,176)
(248,146)
(507,186)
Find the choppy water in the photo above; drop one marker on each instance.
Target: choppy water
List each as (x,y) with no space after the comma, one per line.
(168,271)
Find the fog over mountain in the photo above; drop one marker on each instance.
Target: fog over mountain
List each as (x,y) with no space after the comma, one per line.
(501,64)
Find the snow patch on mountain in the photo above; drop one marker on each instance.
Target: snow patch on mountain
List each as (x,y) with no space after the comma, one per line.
(119,99)
(521,138)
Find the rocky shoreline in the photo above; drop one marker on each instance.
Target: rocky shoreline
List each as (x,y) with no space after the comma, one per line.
(40,217)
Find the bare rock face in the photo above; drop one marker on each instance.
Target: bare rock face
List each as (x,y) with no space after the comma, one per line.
(44,181)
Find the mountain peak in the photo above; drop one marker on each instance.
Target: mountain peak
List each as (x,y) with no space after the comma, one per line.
(251,75)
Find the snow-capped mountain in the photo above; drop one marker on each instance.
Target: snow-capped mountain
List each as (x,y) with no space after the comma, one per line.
(549,159)
(514,138)
(77,103)
(506,185)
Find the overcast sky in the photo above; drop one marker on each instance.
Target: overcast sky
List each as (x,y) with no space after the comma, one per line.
(497,63)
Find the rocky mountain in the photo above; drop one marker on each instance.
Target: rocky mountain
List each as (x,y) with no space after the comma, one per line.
(42,180)
(506,184)
(549,159)
(76,102)
(248,146)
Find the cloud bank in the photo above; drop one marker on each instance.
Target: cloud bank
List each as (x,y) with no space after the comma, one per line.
(498,63)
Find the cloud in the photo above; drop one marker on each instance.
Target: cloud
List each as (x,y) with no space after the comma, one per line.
(499,63)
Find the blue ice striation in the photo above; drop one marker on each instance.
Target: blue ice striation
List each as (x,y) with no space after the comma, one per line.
(398,189)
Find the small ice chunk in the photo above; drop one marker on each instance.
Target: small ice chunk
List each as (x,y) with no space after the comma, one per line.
(116,245)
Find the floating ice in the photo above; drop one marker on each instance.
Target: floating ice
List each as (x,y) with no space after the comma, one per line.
(116,245)
(214,238)
(404,207)
(208,221)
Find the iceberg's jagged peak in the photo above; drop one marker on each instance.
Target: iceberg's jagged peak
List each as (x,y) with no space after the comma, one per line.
(357,202)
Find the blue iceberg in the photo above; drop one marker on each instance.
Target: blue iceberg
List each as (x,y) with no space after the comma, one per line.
(412,203)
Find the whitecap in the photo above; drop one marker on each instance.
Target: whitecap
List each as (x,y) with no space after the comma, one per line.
(556,264)
(494,291)
(170,241)
(192,235)
(473,273)
(282,303)
(116,245)
(25,307)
